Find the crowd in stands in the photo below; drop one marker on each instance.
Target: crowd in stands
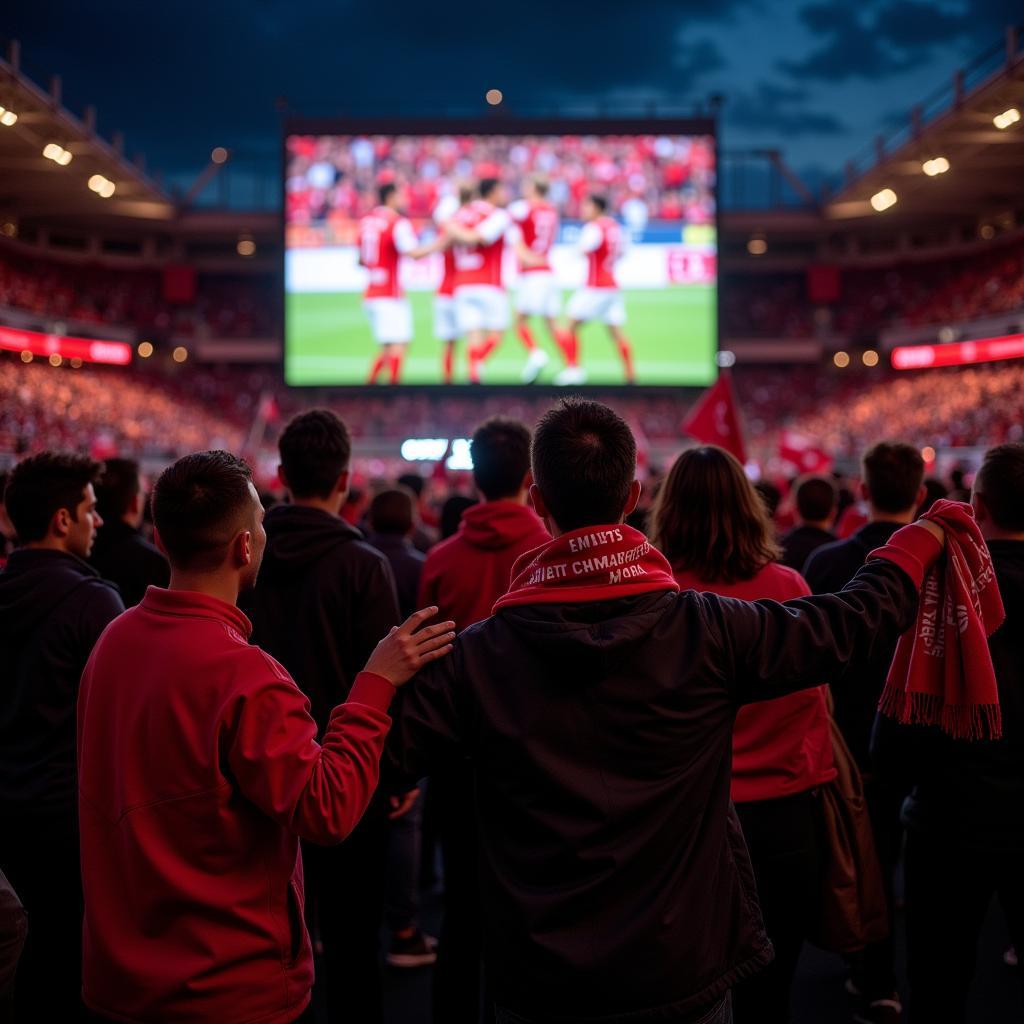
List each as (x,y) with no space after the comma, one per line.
(946,291)
(611,746)
(91,296)
(332,180)
(151,415)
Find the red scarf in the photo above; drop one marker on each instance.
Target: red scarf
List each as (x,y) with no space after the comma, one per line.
(942,673)
(597,563)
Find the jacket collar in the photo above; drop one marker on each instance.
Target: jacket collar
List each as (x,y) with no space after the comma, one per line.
(189,604)
(36,558)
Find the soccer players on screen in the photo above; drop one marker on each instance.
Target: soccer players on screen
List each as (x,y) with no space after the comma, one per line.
(600,299)
(385,235)
(446,328)
(535,230)
(478,234)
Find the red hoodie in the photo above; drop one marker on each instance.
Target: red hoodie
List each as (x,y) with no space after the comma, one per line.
(465,574)
(783,746)
(198,771)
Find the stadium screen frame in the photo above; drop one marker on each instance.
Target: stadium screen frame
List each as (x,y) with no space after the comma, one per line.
(499,124)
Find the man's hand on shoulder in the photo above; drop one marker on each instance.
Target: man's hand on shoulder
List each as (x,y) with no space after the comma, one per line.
(410,646)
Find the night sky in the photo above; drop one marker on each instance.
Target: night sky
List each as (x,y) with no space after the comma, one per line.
(818,80)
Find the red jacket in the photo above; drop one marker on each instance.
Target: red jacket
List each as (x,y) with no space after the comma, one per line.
(465,574)
(784,746)
(198,771)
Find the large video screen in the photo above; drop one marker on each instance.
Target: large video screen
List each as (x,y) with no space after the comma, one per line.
(500,259)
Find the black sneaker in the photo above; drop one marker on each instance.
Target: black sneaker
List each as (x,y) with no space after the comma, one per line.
(418,950)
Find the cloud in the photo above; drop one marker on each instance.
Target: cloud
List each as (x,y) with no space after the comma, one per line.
(779,110)
(878,40)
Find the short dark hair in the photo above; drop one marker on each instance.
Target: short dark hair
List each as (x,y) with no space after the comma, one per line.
(391,511)
(117,488)
(893,472)
(315,450)
(412,482)
(584,462)
(199,504)
(385,191)
(1000,481)
(487,186)
(815,498)
(500,450)
(43,484)
(599,201)
(540,184)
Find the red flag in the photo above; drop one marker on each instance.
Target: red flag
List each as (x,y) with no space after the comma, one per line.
(803,454)
(715,419)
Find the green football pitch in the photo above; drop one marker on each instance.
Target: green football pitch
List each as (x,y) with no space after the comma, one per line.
(672,332)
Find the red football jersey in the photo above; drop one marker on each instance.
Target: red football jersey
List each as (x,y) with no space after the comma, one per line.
(538,222)
(481,264)
(383,236)
(447,286)
(601,259)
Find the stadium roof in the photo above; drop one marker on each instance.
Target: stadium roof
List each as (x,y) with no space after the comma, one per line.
(971,134)
(66,185)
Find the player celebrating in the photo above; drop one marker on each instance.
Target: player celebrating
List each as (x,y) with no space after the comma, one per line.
(600,299)
(384,236)
(539,295)
(446,328)
(477,233)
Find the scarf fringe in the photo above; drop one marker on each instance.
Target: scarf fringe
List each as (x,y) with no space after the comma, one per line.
(961,721)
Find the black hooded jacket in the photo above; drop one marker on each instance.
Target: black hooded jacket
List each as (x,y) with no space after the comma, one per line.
(616,883)
(53,607)
(122,555)
(323,600)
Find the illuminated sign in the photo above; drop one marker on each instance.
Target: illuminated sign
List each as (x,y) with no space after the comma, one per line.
(987,350)
(89,350)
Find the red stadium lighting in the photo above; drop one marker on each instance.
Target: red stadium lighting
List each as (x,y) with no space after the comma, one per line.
(35,343)
(986,350)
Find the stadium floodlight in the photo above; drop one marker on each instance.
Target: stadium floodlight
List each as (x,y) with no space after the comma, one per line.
(246,246)
(757,246)
(1006,118)
(219,155)
(145,349)
(883,200)
(869,357)
(494,97)
(938,165)
(58,154)
(841,359)
(180,354)
(103,187)
(8,117)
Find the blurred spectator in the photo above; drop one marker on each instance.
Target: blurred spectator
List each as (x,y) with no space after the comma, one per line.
(965,813)
(323,599)
(6,527)
(53,607)
(391,521)
(815,510)
(782,748)
(464,575)
(933,491)
(452,512)
(121,554)
(892,475)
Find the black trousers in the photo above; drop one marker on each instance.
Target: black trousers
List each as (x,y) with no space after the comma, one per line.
(949,890)
(41,862)
(785,850)
(458,975)
(873,970)
(345,907)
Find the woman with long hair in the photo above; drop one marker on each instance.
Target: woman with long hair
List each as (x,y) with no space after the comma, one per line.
(713,527)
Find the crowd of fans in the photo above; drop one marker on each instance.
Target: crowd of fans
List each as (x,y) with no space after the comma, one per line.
(152,415)
(331,180)
(90,296)
(556,731)
(947,291)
